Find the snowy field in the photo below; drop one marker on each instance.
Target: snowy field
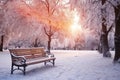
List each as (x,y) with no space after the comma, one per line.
(70,65)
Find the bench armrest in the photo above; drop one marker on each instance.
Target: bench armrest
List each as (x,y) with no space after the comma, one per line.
(18,60)
(49,54)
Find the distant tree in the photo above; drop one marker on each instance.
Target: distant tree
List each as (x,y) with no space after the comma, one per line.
(1,43)
(2,29)
(36,42)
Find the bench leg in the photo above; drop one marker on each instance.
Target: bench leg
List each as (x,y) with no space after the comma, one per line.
(12,69)
(24,70)
(45,63)
(18,67)
(53,62)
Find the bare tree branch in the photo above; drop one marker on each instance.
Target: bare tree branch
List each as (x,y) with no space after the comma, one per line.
(46,31)
(47,5)
(110,29)
(54,7)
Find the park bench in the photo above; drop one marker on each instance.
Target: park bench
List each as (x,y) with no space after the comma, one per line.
(29,56)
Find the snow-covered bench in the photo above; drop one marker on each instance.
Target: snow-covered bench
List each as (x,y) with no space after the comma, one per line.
(29,56)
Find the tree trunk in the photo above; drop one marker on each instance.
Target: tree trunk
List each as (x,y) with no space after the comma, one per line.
(49,43)
(49,34)
(105,47)
(117,34)
(104,41)
(36,43)
(1,43)
(104,35)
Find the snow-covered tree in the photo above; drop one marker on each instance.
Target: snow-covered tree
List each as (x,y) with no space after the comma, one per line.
(52,14)
(2,29)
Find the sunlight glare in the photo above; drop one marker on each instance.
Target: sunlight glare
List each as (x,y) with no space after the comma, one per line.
(75,27)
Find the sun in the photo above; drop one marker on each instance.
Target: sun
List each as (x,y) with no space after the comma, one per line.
(75,27)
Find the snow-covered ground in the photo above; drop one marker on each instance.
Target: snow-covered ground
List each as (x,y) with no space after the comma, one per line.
(70,65)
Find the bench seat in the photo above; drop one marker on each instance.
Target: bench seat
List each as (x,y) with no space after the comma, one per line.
(38,60)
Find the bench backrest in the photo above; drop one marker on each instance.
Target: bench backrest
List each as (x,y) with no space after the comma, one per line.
(29,52)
